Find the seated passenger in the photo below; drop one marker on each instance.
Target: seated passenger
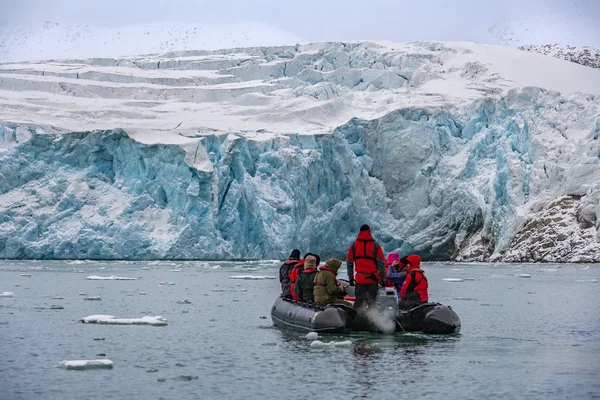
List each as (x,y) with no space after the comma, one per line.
(328,290)
(414,290)
(396,272)
(285,270)
(295,274)
(305,283)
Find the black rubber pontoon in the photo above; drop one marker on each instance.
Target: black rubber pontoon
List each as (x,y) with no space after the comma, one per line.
(297,315)
(428,318)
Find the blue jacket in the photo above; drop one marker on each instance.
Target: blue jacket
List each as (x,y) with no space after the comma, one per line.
(397,278)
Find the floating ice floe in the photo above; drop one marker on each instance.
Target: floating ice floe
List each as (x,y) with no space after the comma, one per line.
(174,270)
(7,294)
(312,335)
(92,319)
(112,320)
(453,279)
(319,344)
(86,364)
(523,275)
(587,281)
(110,278)
(93,298)
(250,277)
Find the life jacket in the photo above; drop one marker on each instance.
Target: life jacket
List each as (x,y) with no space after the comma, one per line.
(294,275)
(417,285)
(363,253)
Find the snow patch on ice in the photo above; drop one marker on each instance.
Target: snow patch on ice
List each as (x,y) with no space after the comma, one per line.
(7,294)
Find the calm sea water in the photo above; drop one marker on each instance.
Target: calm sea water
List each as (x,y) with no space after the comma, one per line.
(522,338)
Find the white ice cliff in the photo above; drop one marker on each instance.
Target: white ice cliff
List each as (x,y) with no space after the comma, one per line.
(452,150)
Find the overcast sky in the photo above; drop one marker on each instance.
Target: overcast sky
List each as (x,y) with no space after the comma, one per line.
(320,20)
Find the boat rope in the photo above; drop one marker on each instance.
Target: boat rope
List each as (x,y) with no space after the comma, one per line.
(400,325)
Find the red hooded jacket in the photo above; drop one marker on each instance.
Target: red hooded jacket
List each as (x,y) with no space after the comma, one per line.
(415,280)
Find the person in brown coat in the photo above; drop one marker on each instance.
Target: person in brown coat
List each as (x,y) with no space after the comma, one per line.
(328,290)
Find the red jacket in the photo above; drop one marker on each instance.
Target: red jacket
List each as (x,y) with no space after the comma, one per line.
(294,275)
(367,255)
(415,281)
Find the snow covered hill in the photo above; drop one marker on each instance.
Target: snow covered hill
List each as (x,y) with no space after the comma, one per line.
(55,40)
(452,150)
(585,55)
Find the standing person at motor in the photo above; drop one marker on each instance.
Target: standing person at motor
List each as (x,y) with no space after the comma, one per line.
(328,290)
(415,288)
(285,270)
(305,283)
(295,274)
(367,255)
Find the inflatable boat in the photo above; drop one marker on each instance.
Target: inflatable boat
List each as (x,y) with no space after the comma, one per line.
(426,317)
(298,315)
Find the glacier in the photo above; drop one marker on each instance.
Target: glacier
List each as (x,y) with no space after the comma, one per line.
(451,150)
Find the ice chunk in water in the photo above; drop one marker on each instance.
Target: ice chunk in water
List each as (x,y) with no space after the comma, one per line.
(250,277)
(112,320)
(86,364)
(312,335)
(110,278)
(319,344)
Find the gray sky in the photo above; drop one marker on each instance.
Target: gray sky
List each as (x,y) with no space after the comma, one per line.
(321,20)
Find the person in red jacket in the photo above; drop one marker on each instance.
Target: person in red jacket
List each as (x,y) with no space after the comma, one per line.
(295,274)
(366,268)
(415,287)
(285,270)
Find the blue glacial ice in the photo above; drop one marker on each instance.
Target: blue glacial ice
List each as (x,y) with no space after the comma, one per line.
(425,180)
(483,176)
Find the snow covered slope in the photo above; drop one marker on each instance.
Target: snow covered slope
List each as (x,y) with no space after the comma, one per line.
(584,55)
(49,39)
(453,150)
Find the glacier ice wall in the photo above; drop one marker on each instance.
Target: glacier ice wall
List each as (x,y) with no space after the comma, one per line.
(445,183)
(101,195)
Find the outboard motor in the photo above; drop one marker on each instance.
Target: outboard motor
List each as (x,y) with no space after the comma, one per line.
(387,300)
